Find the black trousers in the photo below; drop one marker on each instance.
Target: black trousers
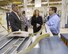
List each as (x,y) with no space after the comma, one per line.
(55,34)
(26,28)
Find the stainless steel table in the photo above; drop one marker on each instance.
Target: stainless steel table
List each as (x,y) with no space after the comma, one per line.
(51,45)
(64,38)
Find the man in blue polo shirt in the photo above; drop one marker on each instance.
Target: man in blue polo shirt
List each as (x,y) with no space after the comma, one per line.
(54,21)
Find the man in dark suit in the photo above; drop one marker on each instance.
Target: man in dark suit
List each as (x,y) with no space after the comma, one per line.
(14,19)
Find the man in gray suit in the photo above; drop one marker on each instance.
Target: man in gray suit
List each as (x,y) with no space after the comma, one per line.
(14,19)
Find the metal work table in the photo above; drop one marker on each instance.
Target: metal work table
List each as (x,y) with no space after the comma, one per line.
(13,45)
(64,38)
(48,45)
(51,45)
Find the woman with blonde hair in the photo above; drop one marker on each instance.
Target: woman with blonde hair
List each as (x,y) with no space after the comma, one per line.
(36,21)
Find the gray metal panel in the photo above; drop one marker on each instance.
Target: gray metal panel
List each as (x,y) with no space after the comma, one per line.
(65,36)
(9,45)
(13,45)
(52,45)
(4,42)
(34,51)
(25,44)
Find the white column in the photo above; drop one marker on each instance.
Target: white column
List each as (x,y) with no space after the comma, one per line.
(37,3)
(25,6)
(63,16)
(48,6)
(48,2)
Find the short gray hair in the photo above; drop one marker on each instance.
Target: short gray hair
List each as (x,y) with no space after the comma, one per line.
(14,5)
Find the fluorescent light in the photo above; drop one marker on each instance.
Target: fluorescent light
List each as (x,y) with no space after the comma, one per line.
(17,2)
(37,3)
(1,0)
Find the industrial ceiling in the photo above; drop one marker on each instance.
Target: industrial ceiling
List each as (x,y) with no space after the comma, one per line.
(6,2)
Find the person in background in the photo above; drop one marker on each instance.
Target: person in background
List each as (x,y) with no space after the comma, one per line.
(36,21)
(54,21)
(14,19)
(24,22)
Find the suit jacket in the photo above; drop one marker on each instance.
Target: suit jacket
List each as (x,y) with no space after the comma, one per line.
(14,22)
(24,23)
(34,22)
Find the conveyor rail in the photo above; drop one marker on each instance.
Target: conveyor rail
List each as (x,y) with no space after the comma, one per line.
(15,46)
(4,42)
(12,45)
